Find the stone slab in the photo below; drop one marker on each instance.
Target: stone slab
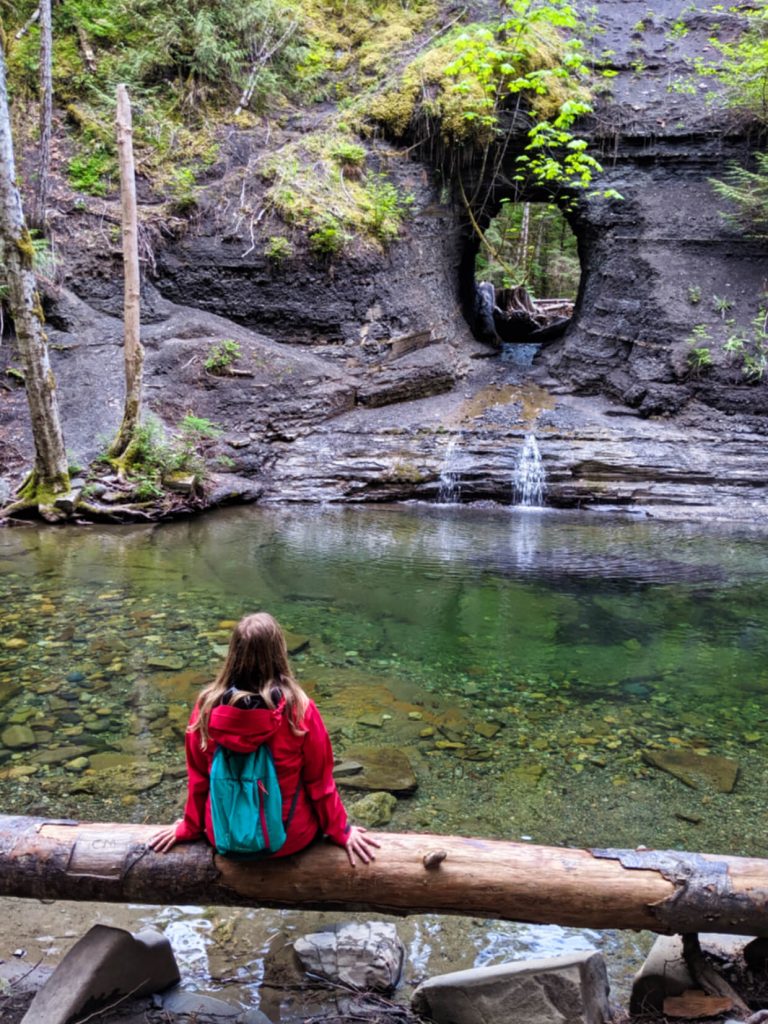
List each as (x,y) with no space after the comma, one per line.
(556,990)
(103,966)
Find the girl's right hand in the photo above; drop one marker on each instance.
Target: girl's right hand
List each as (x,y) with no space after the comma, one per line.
(164,839)
(361,844)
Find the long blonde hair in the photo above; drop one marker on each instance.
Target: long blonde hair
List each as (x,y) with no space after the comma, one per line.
(256,663)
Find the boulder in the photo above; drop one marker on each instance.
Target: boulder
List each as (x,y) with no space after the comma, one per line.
(374,809)
(384,768)
(102,966)
(365,955)
(557,990)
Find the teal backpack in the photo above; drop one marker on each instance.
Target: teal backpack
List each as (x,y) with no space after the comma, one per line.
(246,803)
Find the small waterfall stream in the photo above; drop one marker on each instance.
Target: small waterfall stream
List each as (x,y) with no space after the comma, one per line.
(449,491)
(529,479)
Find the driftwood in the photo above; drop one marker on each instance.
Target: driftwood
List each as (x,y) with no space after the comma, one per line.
(664,891)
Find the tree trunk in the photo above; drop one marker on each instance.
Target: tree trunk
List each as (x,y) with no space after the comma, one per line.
(46,117)
(50,479)
(663,891)
(134,351)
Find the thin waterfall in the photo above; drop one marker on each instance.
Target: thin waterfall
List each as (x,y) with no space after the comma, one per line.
(449,491)
(529,479)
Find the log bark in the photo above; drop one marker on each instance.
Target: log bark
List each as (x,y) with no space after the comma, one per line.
(133,349)
(663,891)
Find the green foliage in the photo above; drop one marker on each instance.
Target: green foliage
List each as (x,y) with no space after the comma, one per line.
(700,352)
(221,356)
(92,171)
(678,31)
(721,305)
(177,59)
(531,60)
(743,66)
(278,250)
(694,294)
(183,189)
(530,244)
(748,192)
(310,189)
(327,239)
(386,207)
(751,348)
(153,455)
(348,154)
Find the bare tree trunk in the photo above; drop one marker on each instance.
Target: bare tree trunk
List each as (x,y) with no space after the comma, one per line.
(134,351)
(46,116)
(662,890)
(49,481)
(523,256)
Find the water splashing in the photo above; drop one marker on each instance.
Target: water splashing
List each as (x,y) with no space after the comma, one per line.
(529,480)
(449,491)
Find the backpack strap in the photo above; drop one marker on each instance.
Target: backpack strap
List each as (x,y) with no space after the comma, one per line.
(295,800)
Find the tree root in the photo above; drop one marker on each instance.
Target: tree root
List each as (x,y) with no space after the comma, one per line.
(22,505)
(115,513)
(94,513)
(705,975)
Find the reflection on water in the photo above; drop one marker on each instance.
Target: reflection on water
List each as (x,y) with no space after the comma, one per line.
(525,661)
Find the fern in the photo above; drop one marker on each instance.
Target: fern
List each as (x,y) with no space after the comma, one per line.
(748,192)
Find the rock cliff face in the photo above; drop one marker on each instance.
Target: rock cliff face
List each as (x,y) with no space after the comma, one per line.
(361,370)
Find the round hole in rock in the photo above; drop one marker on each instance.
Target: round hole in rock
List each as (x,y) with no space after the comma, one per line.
(526,278)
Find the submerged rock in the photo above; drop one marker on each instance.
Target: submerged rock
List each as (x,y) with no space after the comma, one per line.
(18,737)
(374,809)
(692,769)
(384,768)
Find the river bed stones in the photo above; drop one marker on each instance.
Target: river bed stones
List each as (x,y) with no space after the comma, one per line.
(18,737)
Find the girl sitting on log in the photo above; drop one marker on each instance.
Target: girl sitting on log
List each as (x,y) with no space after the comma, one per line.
(255,700)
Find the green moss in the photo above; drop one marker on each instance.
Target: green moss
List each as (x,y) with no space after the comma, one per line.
(458,83)
(26,249)
(322,186)
(406,472)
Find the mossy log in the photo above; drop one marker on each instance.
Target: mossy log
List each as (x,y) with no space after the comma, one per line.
(664,891)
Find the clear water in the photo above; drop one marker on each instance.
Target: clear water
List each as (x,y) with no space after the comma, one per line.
(553,650)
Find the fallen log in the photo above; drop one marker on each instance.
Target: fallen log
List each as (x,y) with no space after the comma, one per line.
(664,891)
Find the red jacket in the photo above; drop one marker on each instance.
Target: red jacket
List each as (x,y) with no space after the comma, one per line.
(302,762)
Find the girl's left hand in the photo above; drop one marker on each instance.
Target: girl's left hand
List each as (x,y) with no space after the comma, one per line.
(361,844)
(164,839)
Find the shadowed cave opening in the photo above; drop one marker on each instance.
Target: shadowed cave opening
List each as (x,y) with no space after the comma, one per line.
(521,279)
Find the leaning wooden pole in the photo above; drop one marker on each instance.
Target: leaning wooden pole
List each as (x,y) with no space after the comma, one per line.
(664,891)
(133,349)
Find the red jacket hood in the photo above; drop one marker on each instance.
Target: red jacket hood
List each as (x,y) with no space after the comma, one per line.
(244,730)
